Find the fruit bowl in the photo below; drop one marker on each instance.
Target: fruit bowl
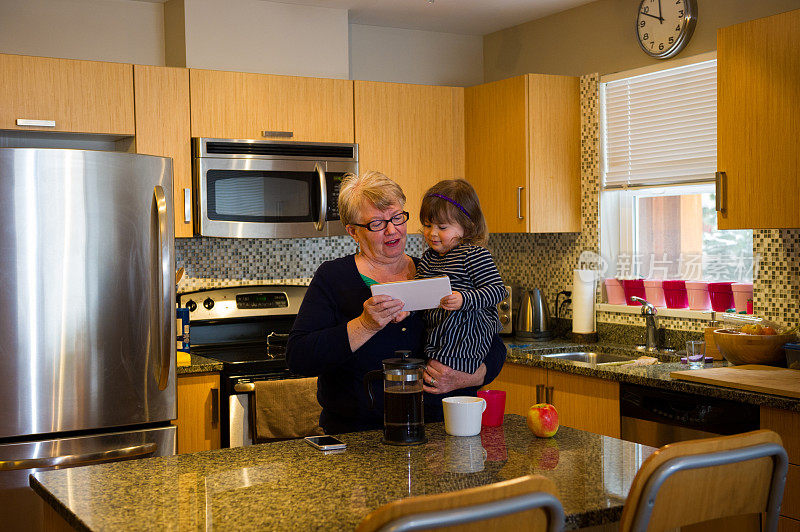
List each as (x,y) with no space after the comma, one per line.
(740,348)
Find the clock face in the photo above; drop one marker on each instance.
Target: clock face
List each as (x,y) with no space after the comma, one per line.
(664,27)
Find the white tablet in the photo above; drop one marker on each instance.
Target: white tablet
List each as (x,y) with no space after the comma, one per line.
(418,294)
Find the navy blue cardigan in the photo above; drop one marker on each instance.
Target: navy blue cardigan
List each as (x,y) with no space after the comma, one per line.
(319,346)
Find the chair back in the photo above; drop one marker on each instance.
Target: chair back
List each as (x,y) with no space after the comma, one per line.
(526,503)
(700,480)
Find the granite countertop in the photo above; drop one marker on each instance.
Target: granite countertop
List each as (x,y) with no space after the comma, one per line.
(656,376)
(291,486)
(200,364)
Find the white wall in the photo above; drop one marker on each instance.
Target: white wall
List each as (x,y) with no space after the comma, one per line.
(414,56)
(103,30)
(267,37)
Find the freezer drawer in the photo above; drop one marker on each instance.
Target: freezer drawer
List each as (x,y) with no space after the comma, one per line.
(21,508)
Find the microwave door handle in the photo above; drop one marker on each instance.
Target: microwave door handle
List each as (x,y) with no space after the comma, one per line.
(163,305)
(319,225)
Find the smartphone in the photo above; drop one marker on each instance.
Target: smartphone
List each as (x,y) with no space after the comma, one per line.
(325,443)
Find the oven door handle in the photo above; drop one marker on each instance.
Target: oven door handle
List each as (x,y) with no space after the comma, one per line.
(319,225)
(244,387)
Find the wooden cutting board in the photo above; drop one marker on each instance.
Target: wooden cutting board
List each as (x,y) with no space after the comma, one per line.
(752,377)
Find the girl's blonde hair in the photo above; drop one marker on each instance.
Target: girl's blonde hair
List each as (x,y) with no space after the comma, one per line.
(454,200)
(371,186)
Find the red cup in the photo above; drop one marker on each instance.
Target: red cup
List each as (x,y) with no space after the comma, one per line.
(633,287)
(675,294)
(495,407)
(721,296)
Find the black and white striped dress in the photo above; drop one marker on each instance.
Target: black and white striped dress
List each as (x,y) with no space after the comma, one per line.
(460,339)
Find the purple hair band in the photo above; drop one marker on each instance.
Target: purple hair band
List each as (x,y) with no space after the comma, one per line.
(454,202)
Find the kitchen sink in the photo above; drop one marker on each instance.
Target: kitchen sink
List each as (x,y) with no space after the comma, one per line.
(589,358)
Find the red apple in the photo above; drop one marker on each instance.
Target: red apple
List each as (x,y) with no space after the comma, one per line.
(543,420)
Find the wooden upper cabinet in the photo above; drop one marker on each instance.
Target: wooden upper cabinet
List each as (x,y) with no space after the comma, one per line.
(239,105)
(162,128)
(77,96)
(412,133)
(758,122)
(523,152)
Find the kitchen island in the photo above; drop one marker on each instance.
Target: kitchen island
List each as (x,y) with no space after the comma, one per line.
(290,485)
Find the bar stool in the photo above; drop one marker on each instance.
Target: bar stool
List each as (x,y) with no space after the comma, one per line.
(524,503)
(699,480)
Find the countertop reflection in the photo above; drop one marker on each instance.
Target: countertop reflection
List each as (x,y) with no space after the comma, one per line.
(290,485)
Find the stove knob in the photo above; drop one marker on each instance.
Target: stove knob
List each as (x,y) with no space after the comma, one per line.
(208,303)
(504,319)
(191,305)
(504,306)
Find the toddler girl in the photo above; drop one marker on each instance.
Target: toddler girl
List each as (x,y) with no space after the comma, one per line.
(460,331)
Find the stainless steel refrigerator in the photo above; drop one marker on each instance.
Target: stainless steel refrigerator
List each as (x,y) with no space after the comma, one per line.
(87,315)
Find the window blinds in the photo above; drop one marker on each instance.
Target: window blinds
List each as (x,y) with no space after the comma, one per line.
(661,128)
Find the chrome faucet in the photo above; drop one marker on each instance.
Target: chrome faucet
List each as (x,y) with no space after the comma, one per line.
(649,313)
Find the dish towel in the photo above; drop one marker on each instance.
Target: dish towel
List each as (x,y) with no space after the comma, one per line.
(286,409)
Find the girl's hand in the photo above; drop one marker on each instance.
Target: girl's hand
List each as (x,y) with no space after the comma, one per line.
(452,302)
(439,378)
(380,310)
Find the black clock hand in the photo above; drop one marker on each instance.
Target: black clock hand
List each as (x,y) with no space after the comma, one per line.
(649,15)
(660,18)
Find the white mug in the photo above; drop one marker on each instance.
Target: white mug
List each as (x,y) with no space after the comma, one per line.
(462,415)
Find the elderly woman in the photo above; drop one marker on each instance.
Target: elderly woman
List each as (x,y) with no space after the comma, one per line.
(342,331)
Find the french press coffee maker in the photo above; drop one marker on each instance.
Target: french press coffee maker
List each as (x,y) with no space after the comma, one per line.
(403,422)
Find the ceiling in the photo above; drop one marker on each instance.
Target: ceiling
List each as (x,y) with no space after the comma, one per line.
(469,17)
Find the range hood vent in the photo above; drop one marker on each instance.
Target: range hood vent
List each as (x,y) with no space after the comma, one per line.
(283,149)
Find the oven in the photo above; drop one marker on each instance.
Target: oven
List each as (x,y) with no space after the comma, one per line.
(269,189)
(245,328)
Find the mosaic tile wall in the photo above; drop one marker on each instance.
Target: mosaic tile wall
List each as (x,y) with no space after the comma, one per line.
(544,261)
(213,262)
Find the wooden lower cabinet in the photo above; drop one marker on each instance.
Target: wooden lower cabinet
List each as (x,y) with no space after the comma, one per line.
(519,383)
(198,424)
(788,525)
(584,403)
(787,424)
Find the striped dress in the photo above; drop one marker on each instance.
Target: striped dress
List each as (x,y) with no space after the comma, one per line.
(460,339)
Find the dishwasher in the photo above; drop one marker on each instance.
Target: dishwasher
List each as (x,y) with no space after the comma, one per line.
(656,417)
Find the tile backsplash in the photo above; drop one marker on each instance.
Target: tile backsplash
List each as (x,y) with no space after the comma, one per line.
(544,261)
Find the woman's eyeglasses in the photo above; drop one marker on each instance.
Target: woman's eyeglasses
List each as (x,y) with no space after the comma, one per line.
(380,225)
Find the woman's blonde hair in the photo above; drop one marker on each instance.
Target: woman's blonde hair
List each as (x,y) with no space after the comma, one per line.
(370,186)
(454,200)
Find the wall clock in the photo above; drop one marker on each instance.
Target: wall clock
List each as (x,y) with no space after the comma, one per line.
(664,27)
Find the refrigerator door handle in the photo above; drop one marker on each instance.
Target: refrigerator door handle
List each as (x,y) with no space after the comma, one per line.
(163,311)
(71,460)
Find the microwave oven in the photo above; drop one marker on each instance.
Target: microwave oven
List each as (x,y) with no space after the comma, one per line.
(269,189)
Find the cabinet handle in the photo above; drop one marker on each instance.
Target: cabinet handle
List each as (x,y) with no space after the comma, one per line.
(721,191)
(539,390)
(187,205)
(519,203)
(284,134)
(214,407)
(35,123)
(549,395)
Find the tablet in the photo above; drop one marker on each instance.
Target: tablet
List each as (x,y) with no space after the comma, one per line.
(418,294)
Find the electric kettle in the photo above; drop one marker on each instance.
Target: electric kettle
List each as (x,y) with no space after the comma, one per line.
(533,318)
(403,416)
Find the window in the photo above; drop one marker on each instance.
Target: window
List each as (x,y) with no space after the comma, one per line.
(657,212)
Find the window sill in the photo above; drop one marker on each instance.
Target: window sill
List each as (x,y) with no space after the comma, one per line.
(707,315)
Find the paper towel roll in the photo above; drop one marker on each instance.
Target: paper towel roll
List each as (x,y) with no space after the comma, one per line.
(583,289)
